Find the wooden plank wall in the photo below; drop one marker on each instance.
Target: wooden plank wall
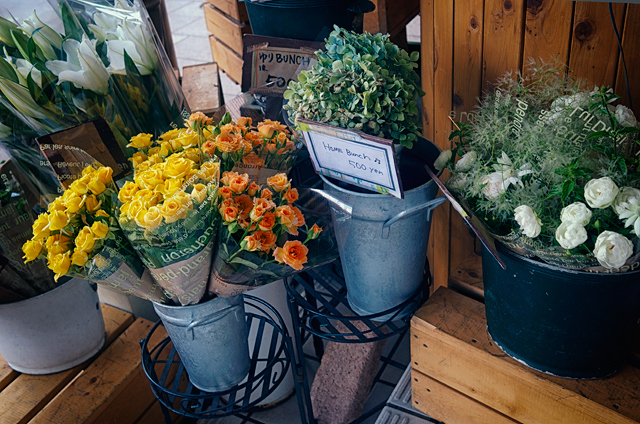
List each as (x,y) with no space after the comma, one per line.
(467,44)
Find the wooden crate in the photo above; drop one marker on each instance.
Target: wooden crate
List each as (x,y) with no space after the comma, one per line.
(109,388)
(225,28)
(201,87)
(467,44)
(228,60)
(234,8)
(460,376)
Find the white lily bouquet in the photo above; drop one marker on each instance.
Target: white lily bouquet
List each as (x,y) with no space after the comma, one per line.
(551,168)
(107,63)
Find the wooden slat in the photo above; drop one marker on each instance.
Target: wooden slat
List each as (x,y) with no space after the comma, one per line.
(630,38)
(548,31)
(399,14)
(201,87)
(95,389)
(224,28)
(447,405)
(227,59)
(440,126)
(502,46)
(449,343)
(7,374)
(27,394)
(467,278)
(234,8)
(594,49)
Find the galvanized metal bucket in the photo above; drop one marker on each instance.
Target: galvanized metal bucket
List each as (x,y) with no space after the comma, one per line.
(384,251)
(54,331)
(561,322)
(211,339)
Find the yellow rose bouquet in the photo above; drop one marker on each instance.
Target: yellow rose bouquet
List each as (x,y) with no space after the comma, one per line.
(79,237)
(168,210)
(265,236)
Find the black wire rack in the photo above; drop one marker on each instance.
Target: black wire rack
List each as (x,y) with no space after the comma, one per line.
(270,361)
(320,311)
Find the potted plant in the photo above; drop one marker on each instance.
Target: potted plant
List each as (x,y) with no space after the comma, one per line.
(551,168)
(364,82)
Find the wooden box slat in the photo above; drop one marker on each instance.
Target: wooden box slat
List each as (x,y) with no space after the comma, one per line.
(449,343)
(225,29)
(201,87)
(227,59)
(234,8)
(27,394)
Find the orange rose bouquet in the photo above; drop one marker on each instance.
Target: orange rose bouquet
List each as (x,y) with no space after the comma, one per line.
(264,236)
(168,210)
(79,237)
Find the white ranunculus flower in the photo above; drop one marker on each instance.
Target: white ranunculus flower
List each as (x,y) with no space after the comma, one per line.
(465,163)
(529,222)
(443,159)
(625,116)
(571,235)
(612,249)
(576,213)
(83,66)
(600,193)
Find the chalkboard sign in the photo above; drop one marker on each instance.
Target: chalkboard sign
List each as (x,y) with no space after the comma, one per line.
(353,157)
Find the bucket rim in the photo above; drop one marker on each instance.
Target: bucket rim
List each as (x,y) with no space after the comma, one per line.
(503,250)
(378,195)
(194,305)
(34,298)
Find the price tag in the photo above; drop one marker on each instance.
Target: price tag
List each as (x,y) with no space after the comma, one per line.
(352,156)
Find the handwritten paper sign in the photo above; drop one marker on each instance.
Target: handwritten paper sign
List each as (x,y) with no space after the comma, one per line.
(353,157)
(275,60)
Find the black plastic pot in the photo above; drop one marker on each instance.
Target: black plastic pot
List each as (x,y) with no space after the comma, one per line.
(311,20)
(566,323)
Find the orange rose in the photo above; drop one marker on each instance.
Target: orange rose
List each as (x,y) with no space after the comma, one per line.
(228,128)
(244,203)
(228,142)
(277,125)
(230,214)
(227,176)
(266,194)
(253,138)
(253,189)
(250,243)
(244,121)
(266,130)
(279,182)
(209,148)
(291,195)
(197,120)
(225,204)
(299,217)
(239,183)
(257,212)
(314,232)
(225,192)
(267,240)
(267,222)
(286,215)
(293,253)
(245,223)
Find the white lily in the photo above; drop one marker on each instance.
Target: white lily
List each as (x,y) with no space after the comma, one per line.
(83,66)
(498,182)
(19,96)
(45,37)
(138,43)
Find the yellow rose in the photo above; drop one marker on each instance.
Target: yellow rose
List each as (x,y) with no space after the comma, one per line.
(58,220)
(104,174)
(177,167)
(100,261)
(74,203)
(171,186)
(149,179)
(155,159)
(31,250)
(199,193)
(127,191)
(151,199)
(60,264)
(124,210)
(192,153)
(92,203)
(96,185)
(151,219)
(40,227)
(100,229)
(173,210)
(88,170)
(154,151)
(102,213)
(165,149)
(79,187)
(209,171)
(140,141)
(139,217)
(79,257)
(187,139)
(57,244)
(56,205)
(169,135)
(133,208)
(85,240)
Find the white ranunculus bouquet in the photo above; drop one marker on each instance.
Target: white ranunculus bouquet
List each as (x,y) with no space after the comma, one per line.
(552,169)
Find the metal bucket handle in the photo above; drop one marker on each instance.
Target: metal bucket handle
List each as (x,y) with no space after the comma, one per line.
(208,319)
(431,204)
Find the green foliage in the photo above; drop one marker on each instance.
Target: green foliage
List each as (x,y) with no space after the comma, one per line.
(362,82)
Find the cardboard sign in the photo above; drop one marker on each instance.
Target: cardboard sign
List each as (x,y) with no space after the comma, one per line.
(275,60)
(71,150)
(352,156)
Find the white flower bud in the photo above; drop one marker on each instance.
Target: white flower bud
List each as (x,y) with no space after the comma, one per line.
(576,213)
(600,193)
(466,161)
(529,222)
(571,235)
(442,160)
(612,249)
(625,116)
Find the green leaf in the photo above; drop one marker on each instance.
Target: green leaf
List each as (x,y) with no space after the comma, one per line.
(130,67)
(598,134)
(72,28)
(415,56)
(7,71)
(20,40)
(238,260)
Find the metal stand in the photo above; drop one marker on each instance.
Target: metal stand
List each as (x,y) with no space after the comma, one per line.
(270,360)
(320,310)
